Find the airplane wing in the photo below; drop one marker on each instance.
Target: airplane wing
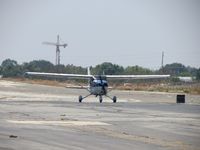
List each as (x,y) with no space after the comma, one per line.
(58,75)
(136,76)
(82,76)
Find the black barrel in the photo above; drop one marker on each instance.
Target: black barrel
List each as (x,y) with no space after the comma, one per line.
(180,99)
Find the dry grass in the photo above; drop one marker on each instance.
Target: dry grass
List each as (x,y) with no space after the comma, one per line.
(189,88)
(37,81)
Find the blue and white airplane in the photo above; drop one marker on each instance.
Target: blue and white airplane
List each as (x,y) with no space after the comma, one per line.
(98,84)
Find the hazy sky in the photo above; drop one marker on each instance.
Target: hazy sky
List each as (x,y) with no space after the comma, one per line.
(125,32)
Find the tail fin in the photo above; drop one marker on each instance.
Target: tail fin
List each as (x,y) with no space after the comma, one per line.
(88,71)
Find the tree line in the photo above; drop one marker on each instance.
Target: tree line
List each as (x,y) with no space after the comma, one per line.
(10,68)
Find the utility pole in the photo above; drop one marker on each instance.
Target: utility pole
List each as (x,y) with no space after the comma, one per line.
(58,45)
(162,61)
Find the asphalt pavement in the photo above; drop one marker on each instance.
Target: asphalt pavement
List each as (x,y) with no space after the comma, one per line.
(38,117)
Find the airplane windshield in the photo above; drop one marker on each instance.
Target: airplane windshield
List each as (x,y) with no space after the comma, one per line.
(100,82)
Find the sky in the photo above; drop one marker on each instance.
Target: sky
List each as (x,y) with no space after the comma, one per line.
(124,32)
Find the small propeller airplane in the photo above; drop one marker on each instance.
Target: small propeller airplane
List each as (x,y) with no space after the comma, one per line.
(98,84)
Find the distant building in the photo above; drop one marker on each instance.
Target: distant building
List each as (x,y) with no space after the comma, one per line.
(186,79)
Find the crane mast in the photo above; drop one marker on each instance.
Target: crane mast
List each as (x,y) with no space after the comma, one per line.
(58,45)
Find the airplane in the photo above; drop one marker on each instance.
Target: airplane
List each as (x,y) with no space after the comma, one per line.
(97,84)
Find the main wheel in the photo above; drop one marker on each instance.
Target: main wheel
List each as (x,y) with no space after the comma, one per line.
(80,98)
(100,99)
(114,99)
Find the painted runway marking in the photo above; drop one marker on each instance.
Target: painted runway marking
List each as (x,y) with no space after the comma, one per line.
(61,123)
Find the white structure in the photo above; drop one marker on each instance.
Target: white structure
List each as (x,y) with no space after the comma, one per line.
(185,79)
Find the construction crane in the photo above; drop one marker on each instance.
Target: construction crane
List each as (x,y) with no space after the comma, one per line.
(58,45)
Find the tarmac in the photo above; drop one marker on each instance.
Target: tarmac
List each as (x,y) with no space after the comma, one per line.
(39,117)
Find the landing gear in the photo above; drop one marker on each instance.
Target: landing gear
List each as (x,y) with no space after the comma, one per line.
(100,99)
(114,99)
(80,98)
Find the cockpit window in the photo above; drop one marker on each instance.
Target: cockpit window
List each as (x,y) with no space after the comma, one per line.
(100,82)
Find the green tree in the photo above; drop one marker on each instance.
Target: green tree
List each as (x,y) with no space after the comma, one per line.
(198,75)
(135,70)
(38,66)
(75,69)
(0,70)
(175,69)
(108,69)
(10,68)
(192,71)
(59,69)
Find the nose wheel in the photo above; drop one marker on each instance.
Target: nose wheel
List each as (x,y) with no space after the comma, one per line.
(100,99)
(80,98)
